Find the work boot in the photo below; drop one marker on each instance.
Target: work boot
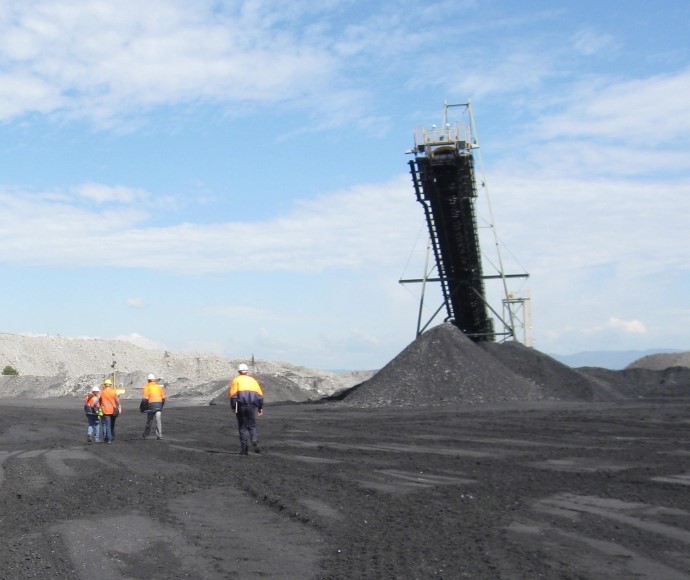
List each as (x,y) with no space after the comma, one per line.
(255,445)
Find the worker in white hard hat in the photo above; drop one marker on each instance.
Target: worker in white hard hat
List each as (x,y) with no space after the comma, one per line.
(152,403)
(92,405)
(247,400)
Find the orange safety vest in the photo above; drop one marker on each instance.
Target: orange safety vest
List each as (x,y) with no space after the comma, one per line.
(245,391)
(244,383)
(154,392)
(91,404)
(110,402)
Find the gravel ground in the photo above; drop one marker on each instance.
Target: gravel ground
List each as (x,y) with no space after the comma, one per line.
(522,489)
(456,460)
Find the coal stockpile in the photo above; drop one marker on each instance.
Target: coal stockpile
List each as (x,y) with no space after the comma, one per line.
(442,366)
(638,382)
(558,381)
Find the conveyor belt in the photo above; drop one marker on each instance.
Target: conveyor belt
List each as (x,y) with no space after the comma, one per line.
(445,186)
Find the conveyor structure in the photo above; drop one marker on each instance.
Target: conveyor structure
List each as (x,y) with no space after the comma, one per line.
(443,175)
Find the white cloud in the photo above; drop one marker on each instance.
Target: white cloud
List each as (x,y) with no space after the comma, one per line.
(590,223)
(589,41)
(101,193)
(136,302)
(519,71)
(21,93)
(629,326)
(641,113)
(95,59)
(333,231)
(114,63)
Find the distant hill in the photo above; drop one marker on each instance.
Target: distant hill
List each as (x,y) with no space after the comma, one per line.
(608,359)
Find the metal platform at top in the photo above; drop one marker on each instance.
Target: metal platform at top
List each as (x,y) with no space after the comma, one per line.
(442,140)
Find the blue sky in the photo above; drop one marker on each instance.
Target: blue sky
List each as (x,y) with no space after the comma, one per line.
(230,176)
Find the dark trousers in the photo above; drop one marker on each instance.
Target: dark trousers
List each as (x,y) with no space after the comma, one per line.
(246,422)
(109,432)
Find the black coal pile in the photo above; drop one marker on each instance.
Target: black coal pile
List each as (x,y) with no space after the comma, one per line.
(441,366)
(557,381)
(638,382)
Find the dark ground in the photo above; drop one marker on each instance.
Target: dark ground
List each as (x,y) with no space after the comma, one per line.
(540,489)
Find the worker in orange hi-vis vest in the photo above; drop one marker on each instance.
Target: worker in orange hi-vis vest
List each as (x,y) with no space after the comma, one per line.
(92,405)
(110,405)
(152,403)
(247,400)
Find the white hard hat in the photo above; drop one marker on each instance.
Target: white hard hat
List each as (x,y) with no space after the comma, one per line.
(243,367)
(152,377)
(96,389)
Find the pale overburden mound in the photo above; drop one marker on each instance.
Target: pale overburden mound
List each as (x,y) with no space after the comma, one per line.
(50,356)
(52,366)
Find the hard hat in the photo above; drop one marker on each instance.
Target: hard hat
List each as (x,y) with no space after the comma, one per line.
(152,377)
(96,389)
(107,382)
(243,368)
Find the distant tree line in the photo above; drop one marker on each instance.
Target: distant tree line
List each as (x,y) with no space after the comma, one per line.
(10,370)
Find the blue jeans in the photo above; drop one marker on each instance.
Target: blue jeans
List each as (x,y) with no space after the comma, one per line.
(109,428)
(94,427)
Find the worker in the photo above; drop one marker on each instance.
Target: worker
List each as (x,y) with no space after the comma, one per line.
(91,407)
(110,404)
(247,400)
(152,402)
